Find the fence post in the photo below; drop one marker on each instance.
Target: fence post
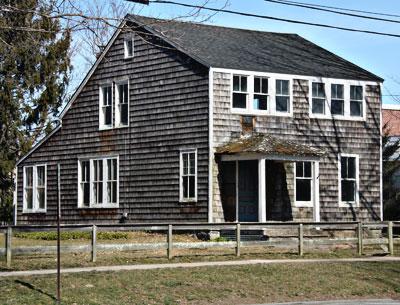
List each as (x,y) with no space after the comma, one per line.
(8,246)
(169,240)
(301,242)
(238,239)
(360,238)
(390,238)
(94,242)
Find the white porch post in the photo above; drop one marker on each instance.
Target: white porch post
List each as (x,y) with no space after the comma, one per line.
(316,191)
(261,191)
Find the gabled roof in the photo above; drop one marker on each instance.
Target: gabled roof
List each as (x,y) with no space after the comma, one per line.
(232,48)
(269,146)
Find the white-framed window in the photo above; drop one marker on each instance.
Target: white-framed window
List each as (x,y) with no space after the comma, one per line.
(282,95)
(303,173)
(122,104)
(188,176)
(98,182)
(318,98)
(129,46)
(35,189)
(356,101)
(348,179)
(337,99)
(260,97)
(106,107)
(239,92)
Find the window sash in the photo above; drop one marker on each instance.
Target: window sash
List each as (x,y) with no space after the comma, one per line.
(304,178)
(129,47)
(35,188)
(188,176)
(282,95)
(106,102)
(348,179)
(122,101)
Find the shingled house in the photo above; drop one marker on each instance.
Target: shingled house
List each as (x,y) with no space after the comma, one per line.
(179,121)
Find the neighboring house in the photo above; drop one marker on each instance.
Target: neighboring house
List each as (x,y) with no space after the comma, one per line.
(391,119)
(191,122)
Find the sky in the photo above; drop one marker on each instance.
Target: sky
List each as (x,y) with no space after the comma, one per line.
(377,54)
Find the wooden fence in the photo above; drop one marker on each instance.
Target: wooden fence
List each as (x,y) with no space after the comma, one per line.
(385,230)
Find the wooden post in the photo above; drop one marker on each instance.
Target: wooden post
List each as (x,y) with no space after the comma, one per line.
(169,240)
(390,238)
(238,240)
(8,246)
(360,239)
(301,242)
(94,242)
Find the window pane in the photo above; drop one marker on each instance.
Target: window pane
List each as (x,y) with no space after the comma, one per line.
(260,102)
(337,107)
(264,87)
(337,91)
(86,193)
(318,90)
(299,169)
(243,83)
(41,175)
(282,87)
(191,186)
(348,190)
(41,198)
(343,165)
(282,103)
(185,189)
(351,167)
(257,84)
(29,198)
(29,176)
(356,92)
(236,83)
(318,106)
(115,169)
(303,190)
(192,163)
(124,114)
(355,108)
(239,100)
(107,115)
(307,169)
(129,47)
(126,94)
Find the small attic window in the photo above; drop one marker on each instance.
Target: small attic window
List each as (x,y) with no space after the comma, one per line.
(128,47)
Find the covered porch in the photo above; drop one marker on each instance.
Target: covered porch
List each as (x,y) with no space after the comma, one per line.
(262,178)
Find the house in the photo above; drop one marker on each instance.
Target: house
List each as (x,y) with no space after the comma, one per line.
(179,121)
(391,121)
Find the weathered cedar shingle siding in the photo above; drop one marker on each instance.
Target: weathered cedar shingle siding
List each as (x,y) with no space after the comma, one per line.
(333,136)
(168,112)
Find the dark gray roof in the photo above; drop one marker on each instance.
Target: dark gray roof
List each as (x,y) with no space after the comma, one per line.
(232,48)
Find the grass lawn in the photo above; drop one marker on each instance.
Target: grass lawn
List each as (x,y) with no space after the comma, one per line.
(212,285)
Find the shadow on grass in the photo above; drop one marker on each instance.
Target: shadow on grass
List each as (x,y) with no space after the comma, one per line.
(32,287)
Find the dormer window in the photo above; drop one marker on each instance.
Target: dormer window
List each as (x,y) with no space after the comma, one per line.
(240,94)
(318,98)
(260,100)
(129,47)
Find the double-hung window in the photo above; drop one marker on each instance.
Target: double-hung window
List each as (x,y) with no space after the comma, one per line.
(348,178)
(122,104)
(318,98)
(282,96)
(106,105)
(304,183)
(188,176)
(356,101)
(260,97)
(35,188)
(98,182)
(239,92)
(337,99)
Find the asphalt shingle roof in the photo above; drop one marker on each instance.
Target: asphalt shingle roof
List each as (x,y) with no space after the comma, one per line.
(232,48)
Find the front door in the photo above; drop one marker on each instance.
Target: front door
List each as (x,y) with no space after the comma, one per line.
(248,191)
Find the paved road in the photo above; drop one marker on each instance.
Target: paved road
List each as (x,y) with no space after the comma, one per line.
(343,302)
(197,264)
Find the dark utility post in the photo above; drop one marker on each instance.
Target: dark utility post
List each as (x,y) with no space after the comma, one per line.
(58,236)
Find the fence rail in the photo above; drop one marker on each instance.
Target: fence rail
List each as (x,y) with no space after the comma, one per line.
(300,240)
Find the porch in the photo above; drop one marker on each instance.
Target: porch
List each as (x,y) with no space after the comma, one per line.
(262,178)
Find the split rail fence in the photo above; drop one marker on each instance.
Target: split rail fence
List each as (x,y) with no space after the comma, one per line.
(301,241)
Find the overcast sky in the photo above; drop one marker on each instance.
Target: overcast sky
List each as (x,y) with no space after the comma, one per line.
(378,54)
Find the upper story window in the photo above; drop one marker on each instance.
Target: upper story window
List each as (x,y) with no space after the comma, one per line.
(260,98)
(239,94)
(356,101)
(318,98)
(106,105)
(122,104)
(282,97)
(98,182)
(337,99)
(35,189)
(304,183)
(129,45)
(188,176)
(348,171)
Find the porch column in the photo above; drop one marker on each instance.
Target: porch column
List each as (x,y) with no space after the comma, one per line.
(316,191)
(261,191)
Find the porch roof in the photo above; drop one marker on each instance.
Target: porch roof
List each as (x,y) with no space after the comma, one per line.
(269,146)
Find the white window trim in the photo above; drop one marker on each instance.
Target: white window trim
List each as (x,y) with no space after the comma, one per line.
(102,126)
(328,99)
(117,104)
(181,198)
(348,204)
(92,204)
(271,111)
(126,39)
(304,204)
(35,203)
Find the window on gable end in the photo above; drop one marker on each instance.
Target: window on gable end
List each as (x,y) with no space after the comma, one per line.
(106,105)
(129,45)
